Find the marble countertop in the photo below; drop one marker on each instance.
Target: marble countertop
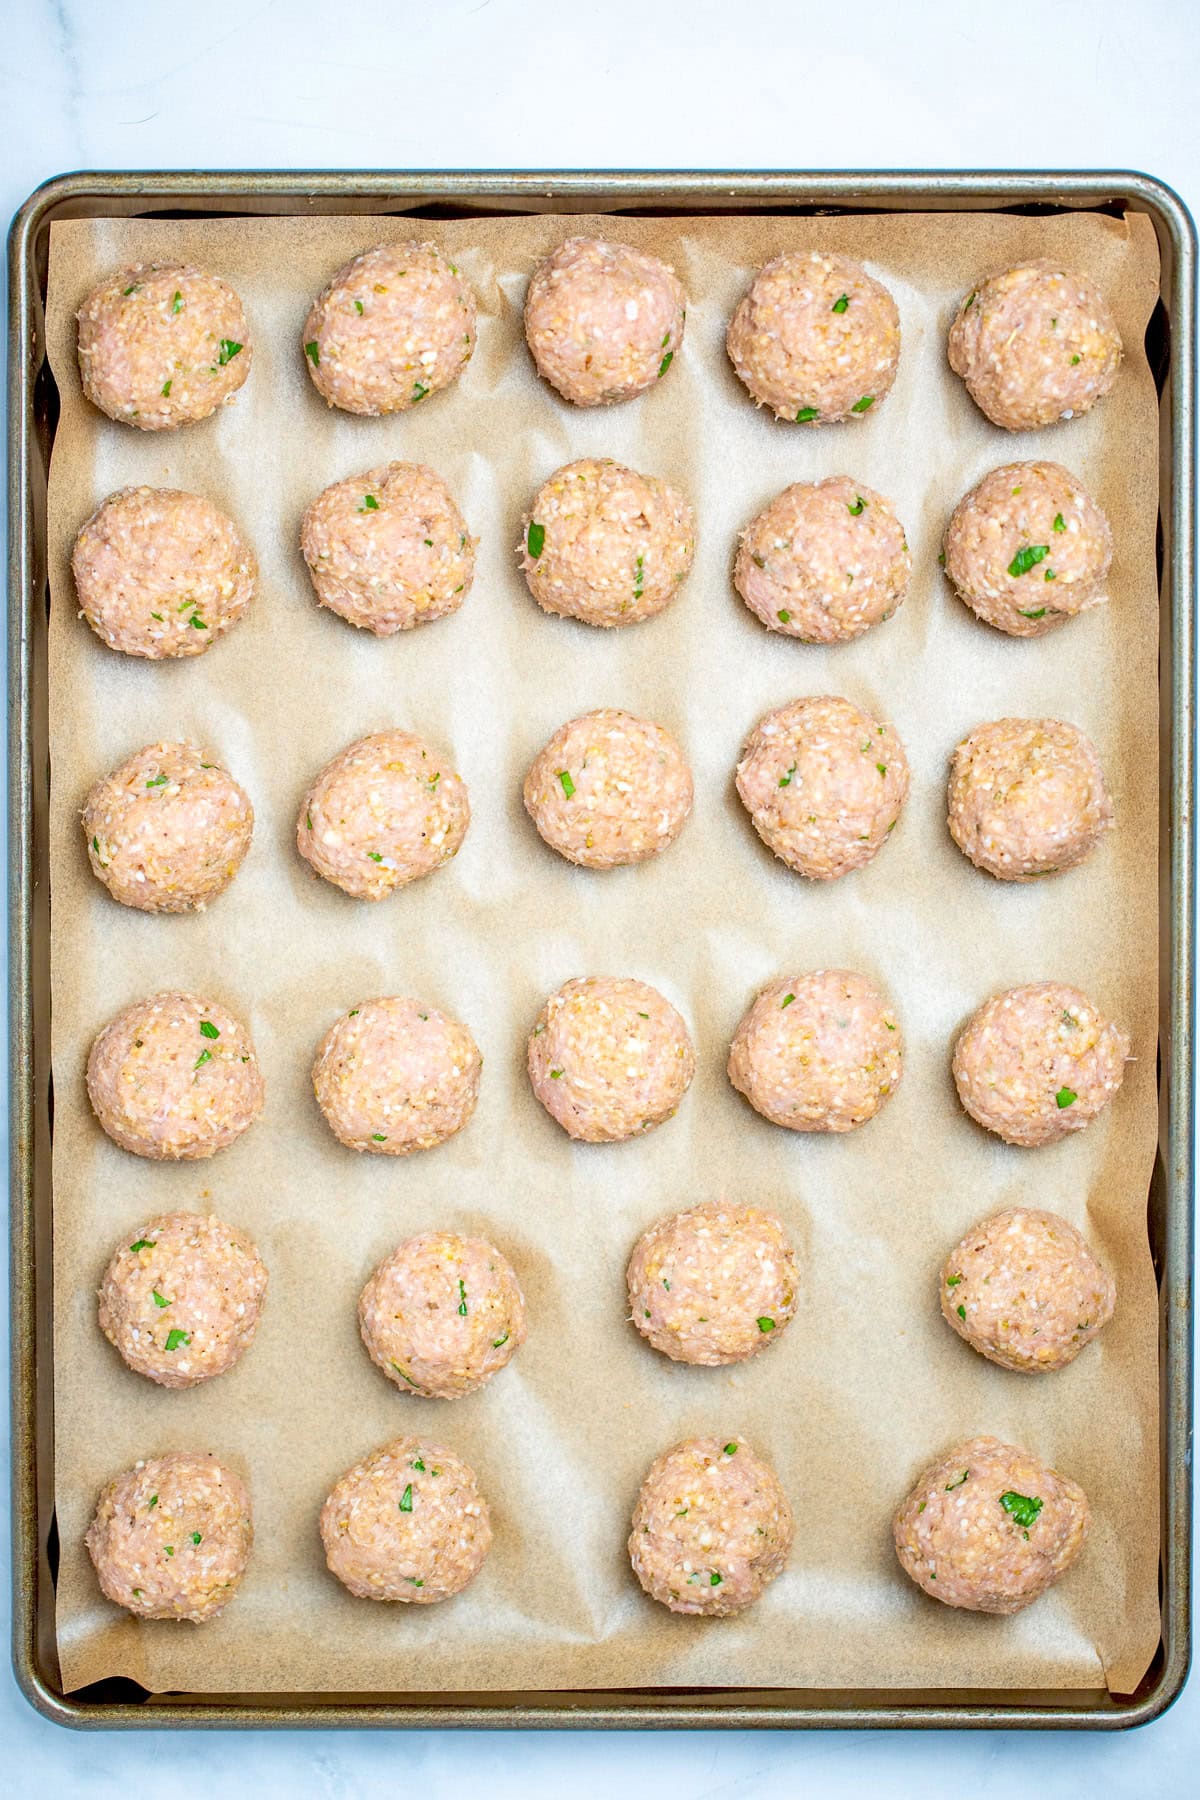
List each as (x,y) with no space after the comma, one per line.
(155,84)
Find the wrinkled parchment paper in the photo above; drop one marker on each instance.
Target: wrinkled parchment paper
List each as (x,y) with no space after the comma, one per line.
(868,1384)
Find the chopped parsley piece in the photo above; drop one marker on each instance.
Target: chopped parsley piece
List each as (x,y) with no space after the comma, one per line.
(951,1485)
(714,1579)
(143,1244)
(403,1374)
(462,1299)
(406,1499)
(861,406)
(765,1324)
(858,507)
(375,855)
(941,559)
(970,301)
(157,616)
(555,1074)
(1050,576)
(1038,612)
(166,389)
(419,391)
(170,1549)
(1060,523)
(1027,557)
(228,351)
(841,303)
(176,1337)
(416,1463)
(195,1537)
(568,786)
(953,1280)
(731,1449)
(313,354)
(882,767)
(1074,360)
(665,364)
(1024,1508)
(535,539)
(1066,1097)
(643,1015)
(961,1311)
(208,1029)
(197,622)
(177,302)
(157,781)
(308,820)
(784,617)
(369,504)
(358,306)
(158,1298)
(379,1137)
(434,779)
(498,1342)
(806,415)
(415,1579)
(131,289)
(786,1001)
(786,780)
(153,1501)
(639,578)
(204,1056)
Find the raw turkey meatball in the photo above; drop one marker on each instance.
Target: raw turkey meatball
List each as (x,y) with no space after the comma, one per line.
(824,562)
(603,321)
(171,1537)
(396,1075)
(816,338)
(408,1523)
(162,345)
(384,812)
(823,783)
(711,1529)
(609,788)
(1025,1291)
(389,549)
(174,1078)
(181,1299)
(715,1284)
(442,1314)
(161,573)
(166,831)
(609,1058)
(989,1527)
(1027,798)
(392,327)
(819,1052)
(1038,1062)
(1028,548)
(606,545)
(1035,344)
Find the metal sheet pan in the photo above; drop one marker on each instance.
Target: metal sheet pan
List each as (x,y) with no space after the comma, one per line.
(1171,346)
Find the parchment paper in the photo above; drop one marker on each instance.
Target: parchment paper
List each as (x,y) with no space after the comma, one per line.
(868,1383)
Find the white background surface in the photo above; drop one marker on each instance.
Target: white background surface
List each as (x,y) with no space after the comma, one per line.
(160,84)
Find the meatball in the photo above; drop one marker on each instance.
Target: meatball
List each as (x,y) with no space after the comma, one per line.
(605,545)
(389,549)
(162,345)
(171,1537)
(711,1529)
(442,1314)
(161,573)
(1023,526)
(608,789)
(181,1301)
(818,1052)
(384,812)
(174,1078)
(603,321)
(713,1285)
(609,1058)
(166,831)
(1027,797)
(1035,344)
(816,338)
(1025,1291)
(824,562)
(394,326)
(989,1527)
(396,1075)
(823,783)
(407,1523)
(1038,1062)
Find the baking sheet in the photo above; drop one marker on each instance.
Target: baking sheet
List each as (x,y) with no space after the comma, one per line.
(867,1384)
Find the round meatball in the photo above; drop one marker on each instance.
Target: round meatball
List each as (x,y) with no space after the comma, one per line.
(603,321)
(605,545)
(1024,526)
(389,549)
(166,831)
(823,783)
(174,1078)
(171,1537)
(442,1314)
(1027,798)
(1038,1062)
(161,573)
(1035,344)
(712,1528)
(394,326)
(818,1052)
(609,1058)
(815,338)
(713,1285)
(384,812)
(407,1523)
(989,1527)
(609,788)
(824,562)
(182,1299)
(1025,1291)
(396,1075)
(162,345)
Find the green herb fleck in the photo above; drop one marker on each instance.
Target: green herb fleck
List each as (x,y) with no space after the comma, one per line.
(166,389)
(568,786)
(786,1001)
(170,1549)
(786,780)
(1066,1097)
(379,1137)
(555,1074)
(941,559)
(665,364)
(313,354)
(858,507)
(841,303)
(730,1449)
(157,781)
(177,1337)
(417,1463)
(535,539)
(159,1299)
(784,616)
(369,504)
(498,1342)
(197,623)
(1050,575)
(419,391)
(358,306)
(204,1056)
(406,1499)
(1037,612)
(157,616)
(1074,360)
(177,302)
(375,855)
(639,578)
(882,767)
(806,415)
(403,1374)
(228,351)
(195,1537)
(1024,1508)
(765,1324)
(415,1580)
(308,820)
(208,1029)
(153,1501)
(462,1299)
(961,1311)
(953,1280)
(1027,558)
(143,1244)
(861,406)
(970,301)
(714,1579)
(131,289)
(1060,523)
